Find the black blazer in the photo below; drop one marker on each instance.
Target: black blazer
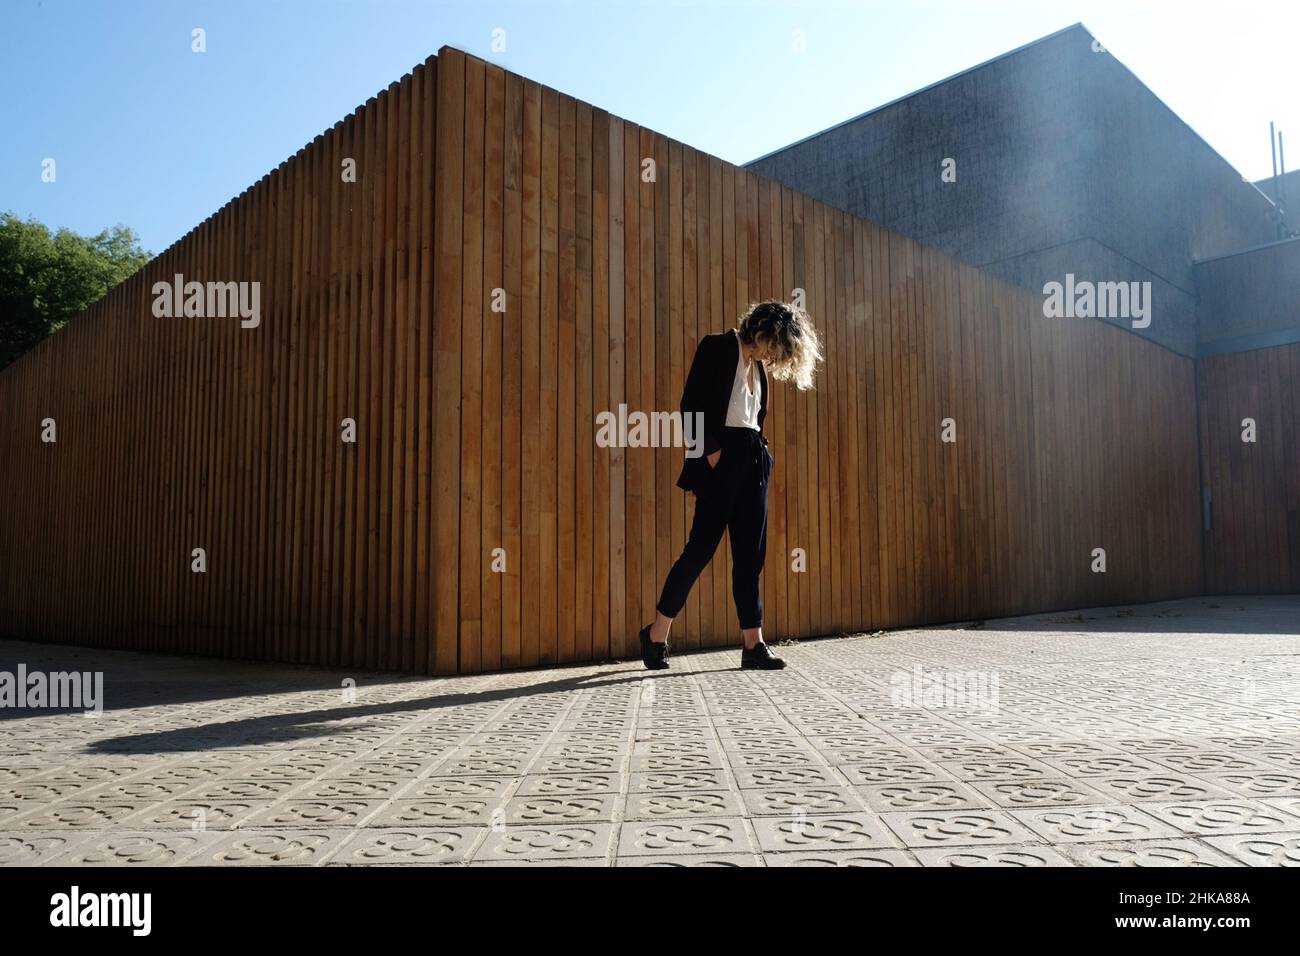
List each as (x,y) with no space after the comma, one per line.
(708,390)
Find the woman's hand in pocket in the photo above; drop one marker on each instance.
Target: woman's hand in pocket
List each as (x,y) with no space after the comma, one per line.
(713,459)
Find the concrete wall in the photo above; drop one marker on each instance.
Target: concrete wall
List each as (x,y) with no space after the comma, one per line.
(1066,162)
(1248,297)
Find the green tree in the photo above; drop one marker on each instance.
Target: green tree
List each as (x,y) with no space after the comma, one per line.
(47,278)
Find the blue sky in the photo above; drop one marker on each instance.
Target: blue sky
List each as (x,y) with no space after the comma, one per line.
(147,133)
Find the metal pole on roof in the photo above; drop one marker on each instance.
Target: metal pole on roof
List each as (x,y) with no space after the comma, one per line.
(1281,163)
(1272,145)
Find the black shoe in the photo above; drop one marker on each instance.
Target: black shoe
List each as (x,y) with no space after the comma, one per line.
(761,658)
(653,653)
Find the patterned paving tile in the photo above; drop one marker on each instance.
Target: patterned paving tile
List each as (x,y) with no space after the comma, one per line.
(302,814)
(1212,761)
(1257,784)
(458,787)
(573,841)
(664,805)
(584,862)
(1026,855)
(197,815)
(1289,805)
(567,784)
(570,808)
(437,811)
(125,848)
(36,849)
(1105,765)
(786,801)
(751,778)
(822,833)
(880,858)
(670,781)
(947,753)
(1039,792)
(999,769)
(408,845)
(1151,787)
(1094,823)
(884,771)
(1212,817)
(1260,849)
(933,795)
(950,828)
(242,789)
(352,788)
(693,859)
(1147,853)
(72,815)
(1059,749)
(720,835)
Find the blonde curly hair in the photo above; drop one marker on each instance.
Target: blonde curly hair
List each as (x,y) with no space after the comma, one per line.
(785,334)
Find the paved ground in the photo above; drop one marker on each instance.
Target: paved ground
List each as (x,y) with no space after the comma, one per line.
(1164,734)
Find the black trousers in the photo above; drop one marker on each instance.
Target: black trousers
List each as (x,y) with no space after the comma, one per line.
(735,501)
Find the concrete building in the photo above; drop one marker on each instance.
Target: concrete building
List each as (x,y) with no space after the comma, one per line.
(1059,162)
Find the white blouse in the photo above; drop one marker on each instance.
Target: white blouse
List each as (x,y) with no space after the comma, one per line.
(742,410)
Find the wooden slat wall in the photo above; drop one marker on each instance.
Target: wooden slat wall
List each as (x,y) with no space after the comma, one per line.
(476,428)
(181,433)
(1253,545)
(1072,435)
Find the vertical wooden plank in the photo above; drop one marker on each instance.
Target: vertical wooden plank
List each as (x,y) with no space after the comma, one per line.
(566,341)
(805,485)
(361,642)
(586,504)
(832,385)
(648,317)
(388,414)
(449,214)
(425,619)
(322,426)
(822,402)
(349,338)
(684,269)
(512,373)
(663,318)
(206,637)
(378,421)
(717,293)
(402,371)
(783,406)
(471,345)
(550,390)
(622,620)
(491,400)
(303,382)
(534,452)
(604,637)
(638,612)
(735,299)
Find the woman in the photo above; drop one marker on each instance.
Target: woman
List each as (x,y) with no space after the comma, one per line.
(727,383)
